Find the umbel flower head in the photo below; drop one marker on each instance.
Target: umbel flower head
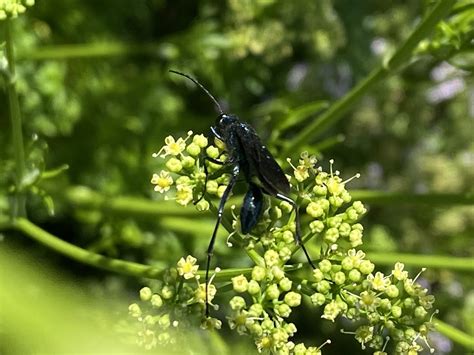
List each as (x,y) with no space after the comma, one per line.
(344,283)
(13,8)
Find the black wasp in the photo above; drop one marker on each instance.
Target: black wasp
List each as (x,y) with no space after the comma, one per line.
(248,156)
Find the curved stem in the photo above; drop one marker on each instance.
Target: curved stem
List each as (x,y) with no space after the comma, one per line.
(84,197)
(90,50)
(454,334)
(18,205)
(124,267)
(382,197)
(84,256)
(400,57)
(429,261)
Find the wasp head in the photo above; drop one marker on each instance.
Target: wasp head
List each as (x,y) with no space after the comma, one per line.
(224,122)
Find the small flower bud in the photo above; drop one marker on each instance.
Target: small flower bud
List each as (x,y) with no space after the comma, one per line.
(331,235)
(272,292)
(325,266)
(258,273)
(237,303)
(285,253)
(188,162)
(254,287)
(277,272)
(283,310)
(316,227)
(331,311)
(318,299)
(212,187)
(320,190)
(285,284)
(271,258)
(396,311)
(355,237)
(366,267)
(355,275)
(392,291)
(323,286)
(200,140)
(174,165)
(145,294)
(314,210)
(420,312)
(318,275)
(240,283)
(202,205)
(167,292)
(288,237)
(164,321)
(256,310)
(134,310)
(409,303)
(193,149)
(339,278)
(212,152)
(347,263)
(267,324)
(344,229)
(156,301)
(292,299)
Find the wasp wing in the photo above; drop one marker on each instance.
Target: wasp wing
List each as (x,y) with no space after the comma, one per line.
(261,161)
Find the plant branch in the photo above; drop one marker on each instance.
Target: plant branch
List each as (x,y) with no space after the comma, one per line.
(90,50)
(116,265)
(454,334)
(400,57)
(382,197)
(429,261)
(84,197)
(84,256)
(18,206)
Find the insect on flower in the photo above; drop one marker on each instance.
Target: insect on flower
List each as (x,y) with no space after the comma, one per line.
(248,156)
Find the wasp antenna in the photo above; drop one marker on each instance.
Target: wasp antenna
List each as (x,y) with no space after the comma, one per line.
(202,87)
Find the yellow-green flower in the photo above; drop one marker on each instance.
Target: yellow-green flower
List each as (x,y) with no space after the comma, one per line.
(187,268)
(200,294)
(162,182)
(172,146)
(184,194)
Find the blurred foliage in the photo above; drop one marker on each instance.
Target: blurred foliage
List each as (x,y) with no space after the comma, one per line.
(95,94)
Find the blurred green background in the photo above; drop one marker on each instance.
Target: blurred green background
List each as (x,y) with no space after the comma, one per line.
(95,94)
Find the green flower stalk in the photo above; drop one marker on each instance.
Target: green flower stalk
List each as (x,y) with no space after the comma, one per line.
(344,283)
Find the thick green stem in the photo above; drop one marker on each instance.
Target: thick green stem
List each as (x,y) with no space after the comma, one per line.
(428,261)
(90,50)
(83,256)
(83,197)
(455,334)
(400,57)
(102,262)
(18,206)
(382,197)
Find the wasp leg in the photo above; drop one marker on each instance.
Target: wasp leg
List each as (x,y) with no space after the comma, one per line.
(206,172)
(220,211)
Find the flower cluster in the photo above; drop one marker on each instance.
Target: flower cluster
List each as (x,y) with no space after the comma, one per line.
(264,303)
(175,304)
(12,8)
(185,162)
(344,283)
(386,305)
